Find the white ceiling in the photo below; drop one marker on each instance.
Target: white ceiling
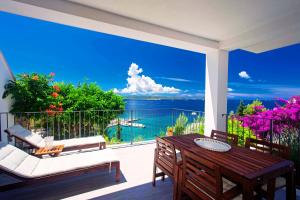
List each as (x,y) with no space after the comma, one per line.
(254,25)
(214,19)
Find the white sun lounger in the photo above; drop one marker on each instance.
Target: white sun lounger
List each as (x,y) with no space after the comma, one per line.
(30,169)
(36,141)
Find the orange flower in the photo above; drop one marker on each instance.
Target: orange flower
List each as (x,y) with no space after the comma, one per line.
(56,88)
(54,94)
(35,77)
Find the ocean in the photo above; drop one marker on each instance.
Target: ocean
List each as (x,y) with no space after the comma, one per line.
(196,105)
(154,116)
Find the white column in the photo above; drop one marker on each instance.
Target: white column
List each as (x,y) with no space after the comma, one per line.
(216,77)
(5,104)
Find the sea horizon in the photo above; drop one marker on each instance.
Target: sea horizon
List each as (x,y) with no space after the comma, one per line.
(188,104)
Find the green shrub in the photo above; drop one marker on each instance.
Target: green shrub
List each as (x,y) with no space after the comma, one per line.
(241,109)
(58,101)
(30,92)
(180,124)
(251,108)
(234,126)
(139,138)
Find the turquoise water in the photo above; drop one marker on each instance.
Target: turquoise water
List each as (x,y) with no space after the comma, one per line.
(157,115)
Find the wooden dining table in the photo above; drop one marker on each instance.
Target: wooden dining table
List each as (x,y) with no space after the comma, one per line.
(243,166)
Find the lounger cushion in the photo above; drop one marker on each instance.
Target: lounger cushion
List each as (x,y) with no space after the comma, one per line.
(16,161)
(24,165)
(72,162)
(37,140)
(77,141)
(21,132)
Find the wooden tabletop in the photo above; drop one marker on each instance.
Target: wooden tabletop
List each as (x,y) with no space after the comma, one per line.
(55,150)
(238,162)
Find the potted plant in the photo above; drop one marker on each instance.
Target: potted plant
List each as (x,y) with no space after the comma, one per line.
(169,131)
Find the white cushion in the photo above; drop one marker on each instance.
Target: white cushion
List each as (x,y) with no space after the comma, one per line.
(24,165)
(28,165)
(75,141)
(80,141)
(227,184)
(25,134)
(5,150)
(178,155)
(73,161)
(16,161)
(37,140)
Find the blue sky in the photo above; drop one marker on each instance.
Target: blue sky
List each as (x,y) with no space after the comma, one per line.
(138,68)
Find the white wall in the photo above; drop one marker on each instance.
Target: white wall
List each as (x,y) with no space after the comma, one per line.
(6,119)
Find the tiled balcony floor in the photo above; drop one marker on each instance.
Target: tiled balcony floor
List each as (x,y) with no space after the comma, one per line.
(136,167)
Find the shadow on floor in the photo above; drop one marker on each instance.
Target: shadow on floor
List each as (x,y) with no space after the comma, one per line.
(162,191)
(64,188)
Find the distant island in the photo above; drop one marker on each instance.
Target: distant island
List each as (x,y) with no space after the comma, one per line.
(154,97)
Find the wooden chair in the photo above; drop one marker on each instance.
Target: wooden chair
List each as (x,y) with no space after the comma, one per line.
(274,149)
(167,160)
(201,179)
(224,137)
(267,147)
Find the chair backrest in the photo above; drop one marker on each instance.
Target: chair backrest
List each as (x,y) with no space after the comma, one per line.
(200,179)
(165,156)
(224,137)
(25,135)
(267,147)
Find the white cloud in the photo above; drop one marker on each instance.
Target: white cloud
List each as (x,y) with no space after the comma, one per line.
(141,84)
(244,74)
(176,79)
(229,89)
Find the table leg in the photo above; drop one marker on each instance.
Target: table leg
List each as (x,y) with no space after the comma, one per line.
(271,189)
(248,191)
(175,183)
(290,186)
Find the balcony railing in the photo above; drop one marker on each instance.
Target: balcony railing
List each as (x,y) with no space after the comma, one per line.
(275,131)
(117,126)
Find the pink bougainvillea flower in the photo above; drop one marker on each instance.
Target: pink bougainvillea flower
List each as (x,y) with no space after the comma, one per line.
(52,74)
(276,120)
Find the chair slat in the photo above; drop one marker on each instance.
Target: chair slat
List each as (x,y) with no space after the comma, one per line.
(224,137)
(196,178)
(267,147)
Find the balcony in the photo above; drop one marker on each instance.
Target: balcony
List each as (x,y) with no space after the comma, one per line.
(136,167)
(216,30)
